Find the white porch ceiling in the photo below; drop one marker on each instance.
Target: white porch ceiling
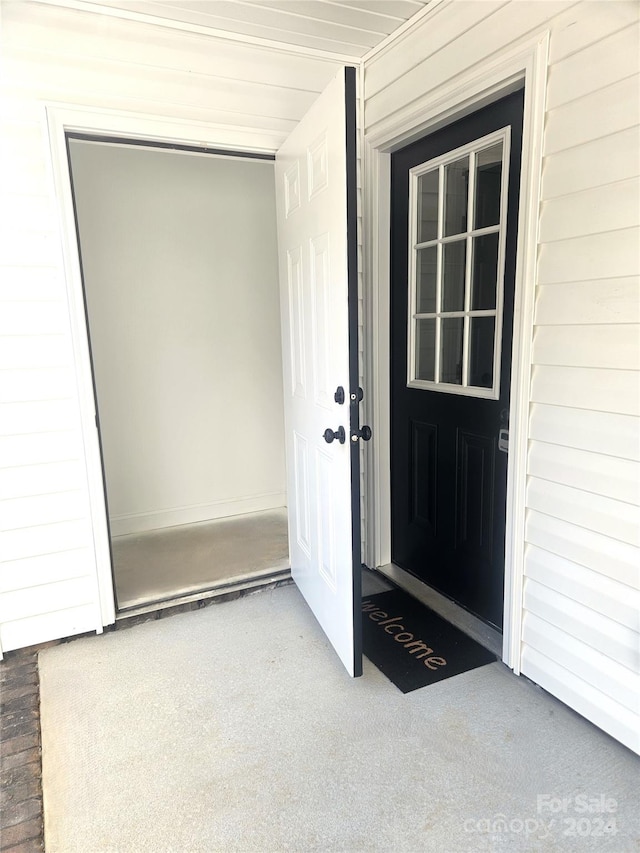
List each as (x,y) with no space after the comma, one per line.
(349,28)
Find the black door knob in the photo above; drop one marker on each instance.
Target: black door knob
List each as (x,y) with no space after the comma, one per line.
(330,435)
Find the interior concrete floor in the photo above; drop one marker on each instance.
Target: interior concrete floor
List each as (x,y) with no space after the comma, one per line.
(178,561)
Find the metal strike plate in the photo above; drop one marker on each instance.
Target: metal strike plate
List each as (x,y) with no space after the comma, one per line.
(503,440)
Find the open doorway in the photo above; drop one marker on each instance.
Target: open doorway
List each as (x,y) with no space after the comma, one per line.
(180,272)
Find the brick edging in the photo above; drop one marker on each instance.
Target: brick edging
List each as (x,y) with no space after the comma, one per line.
(21,807)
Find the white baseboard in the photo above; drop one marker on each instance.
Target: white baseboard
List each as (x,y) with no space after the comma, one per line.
(139,522)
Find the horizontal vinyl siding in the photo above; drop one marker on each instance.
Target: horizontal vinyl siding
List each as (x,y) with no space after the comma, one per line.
(592,67)
(47,317)
(588,346)
(582,695)
(613,254)
(182,94)
(18,450)
(591,211)
(136,45)
(600,432)
(616,680)
(587,509)
(605,300)
(460,35)
(603,112)
(45,479)
(581,629)
(616,478)
(244,97)
(67,620)
(596,551)
(39,510)
(137,67)
(18,351)
(30,417)
(612,608)
(588,388)
(41,570)
(572,170)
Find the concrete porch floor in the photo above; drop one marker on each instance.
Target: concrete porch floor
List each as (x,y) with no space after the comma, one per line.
(21,799)
(236,728)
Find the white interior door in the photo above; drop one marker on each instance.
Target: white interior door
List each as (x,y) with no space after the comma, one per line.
(316,203)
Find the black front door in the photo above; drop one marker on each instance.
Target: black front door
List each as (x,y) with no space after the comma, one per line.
(454,206)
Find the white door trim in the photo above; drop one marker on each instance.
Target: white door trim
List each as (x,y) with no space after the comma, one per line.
(63,118)
(504,73)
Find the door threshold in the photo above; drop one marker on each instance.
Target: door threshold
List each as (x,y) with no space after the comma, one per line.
(223,588)
(481,632)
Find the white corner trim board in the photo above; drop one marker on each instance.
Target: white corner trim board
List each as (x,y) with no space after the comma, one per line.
(59,121)
(526,64)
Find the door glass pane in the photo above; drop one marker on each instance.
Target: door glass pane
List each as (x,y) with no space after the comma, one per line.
(488,180)
(453,261)
(456,185)
(428,206)
(426,280)
(484,273)
(426,349)
(481,352)
(451,350)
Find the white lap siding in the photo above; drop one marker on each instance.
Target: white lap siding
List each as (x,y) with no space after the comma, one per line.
(581,632)
(244,96)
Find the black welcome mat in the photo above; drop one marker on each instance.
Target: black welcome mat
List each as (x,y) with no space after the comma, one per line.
(412,645)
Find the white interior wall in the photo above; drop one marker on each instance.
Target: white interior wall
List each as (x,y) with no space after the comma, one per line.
(233,95)
(179,256)
(580,636)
